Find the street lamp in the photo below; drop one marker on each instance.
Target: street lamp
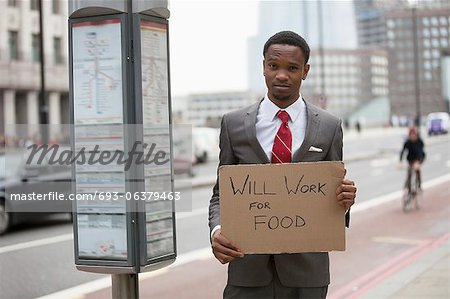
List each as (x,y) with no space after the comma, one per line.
(413,5)
(43,109)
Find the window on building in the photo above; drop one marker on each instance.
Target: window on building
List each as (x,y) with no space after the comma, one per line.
(13,45)
(55,7)
(57,50)
(35,48)
(434,21)
(12,3)
(34,4)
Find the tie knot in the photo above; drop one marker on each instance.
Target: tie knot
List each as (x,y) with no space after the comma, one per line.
(283,115)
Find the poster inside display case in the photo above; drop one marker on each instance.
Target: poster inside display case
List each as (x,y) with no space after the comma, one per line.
(120,110)
(98,130)
(159,214)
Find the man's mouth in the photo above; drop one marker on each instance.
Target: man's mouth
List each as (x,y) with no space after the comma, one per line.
(281,86)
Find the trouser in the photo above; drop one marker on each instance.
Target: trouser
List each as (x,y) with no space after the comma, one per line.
(275,290)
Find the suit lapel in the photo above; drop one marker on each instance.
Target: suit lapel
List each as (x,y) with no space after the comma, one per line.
(250,130)
(312,127)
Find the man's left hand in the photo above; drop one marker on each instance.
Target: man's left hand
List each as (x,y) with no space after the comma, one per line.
(346,193)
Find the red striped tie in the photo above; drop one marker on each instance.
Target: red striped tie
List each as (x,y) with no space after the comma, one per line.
(282,145)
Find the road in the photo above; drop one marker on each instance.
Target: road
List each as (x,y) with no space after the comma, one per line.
(38,259)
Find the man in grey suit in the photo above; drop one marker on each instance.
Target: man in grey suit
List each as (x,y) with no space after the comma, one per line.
(249,136)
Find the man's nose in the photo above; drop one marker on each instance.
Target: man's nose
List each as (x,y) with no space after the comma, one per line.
(281,75)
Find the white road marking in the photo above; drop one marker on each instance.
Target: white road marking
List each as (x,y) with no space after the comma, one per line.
(105,282)
(436,157)
(380,162)
(377,172)
(36,243)
(359,207)
(402,241)
(67,237)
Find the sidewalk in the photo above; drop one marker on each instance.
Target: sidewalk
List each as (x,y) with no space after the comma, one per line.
(385,258)
(427,277)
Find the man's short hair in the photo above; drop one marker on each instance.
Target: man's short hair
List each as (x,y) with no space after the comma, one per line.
(288,38)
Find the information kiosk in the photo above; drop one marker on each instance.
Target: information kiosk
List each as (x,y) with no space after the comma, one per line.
(124,222)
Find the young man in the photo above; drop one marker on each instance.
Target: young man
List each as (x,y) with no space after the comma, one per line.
(281,128)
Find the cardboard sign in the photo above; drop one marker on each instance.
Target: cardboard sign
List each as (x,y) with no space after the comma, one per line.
(282,208)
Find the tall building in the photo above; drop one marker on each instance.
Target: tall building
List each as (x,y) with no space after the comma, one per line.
(416,37)
(370,23)
(303,18)
(353,78)
(417,40)
(19,63)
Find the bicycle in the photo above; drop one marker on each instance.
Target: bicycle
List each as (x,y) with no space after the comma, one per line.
(412,192)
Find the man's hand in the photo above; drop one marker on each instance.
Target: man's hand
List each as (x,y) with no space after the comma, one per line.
(346,193)
(223,250)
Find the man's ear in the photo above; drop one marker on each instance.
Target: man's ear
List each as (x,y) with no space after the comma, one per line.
(305,71)
(264,67)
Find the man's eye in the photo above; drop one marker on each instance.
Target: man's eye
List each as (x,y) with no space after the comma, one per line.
(272,65)
(293,68)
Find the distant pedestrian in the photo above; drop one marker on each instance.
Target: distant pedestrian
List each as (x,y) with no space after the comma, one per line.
(358,126)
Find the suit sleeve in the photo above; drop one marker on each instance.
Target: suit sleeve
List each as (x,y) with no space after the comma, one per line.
(226,157)
(335,154)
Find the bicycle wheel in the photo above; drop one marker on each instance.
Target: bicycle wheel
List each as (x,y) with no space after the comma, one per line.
(408,195)
(406,201)
(416,193)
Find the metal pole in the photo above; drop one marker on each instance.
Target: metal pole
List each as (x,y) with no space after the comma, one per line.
(125,286)
(321,50)
(43,109)
(416,67)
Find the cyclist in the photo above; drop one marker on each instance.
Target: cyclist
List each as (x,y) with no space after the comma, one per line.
(415,157)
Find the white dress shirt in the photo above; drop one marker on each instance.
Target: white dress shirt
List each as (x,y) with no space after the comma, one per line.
(267,124)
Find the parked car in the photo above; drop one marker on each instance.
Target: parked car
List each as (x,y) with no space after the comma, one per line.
(205,144)
(18,177)
(438,123)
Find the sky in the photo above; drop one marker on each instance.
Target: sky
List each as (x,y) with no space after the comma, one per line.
(208,45)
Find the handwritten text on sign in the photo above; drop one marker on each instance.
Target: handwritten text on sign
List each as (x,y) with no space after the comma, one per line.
(282,208)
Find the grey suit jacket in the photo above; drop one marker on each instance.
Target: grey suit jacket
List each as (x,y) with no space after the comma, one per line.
(239,145)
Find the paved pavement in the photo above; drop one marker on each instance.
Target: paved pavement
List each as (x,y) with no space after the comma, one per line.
(385,257)
(389,254)
(418,266)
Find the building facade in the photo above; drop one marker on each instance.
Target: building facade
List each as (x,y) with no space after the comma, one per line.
(20,64)
(417,40)
(352,79)
(370,23)
(207,109)
(302,17)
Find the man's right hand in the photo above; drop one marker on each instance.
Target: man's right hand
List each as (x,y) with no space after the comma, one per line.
(223,250)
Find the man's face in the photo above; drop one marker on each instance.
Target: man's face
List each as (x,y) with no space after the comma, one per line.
(284,69)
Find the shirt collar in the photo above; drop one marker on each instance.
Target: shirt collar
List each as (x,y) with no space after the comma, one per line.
(270,110)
